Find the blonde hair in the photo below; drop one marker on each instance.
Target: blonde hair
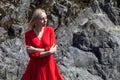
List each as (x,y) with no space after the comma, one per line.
(37,13)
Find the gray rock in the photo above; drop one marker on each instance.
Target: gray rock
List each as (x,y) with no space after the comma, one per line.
(54,21)
(76,63)
(13,54)
(96,55)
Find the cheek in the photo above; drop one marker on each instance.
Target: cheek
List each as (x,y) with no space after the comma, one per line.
(36,22)
(39,23)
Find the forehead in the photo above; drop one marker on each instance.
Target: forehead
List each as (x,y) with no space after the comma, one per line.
(43,14)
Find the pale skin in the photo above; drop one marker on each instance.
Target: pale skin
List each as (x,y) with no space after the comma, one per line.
(39,27)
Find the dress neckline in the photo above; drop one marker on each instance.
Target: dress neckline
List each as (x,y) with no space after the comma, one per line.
(37,35)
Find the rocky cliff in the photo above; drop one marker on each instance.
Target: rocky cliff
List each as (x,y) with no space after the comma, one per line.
(87,33)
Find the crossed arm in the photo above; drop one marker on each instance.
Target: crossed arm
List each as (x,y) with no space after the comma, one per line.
(31,49)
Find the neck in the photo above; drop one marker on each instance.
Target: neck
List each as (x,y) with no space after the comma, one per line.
(38,28)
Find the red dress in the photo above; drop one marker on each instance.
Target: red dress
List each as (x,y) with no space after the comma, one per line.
(41,68)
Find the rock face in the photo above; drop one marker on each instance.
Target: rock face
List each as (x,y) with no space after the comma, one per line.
(87,33)
(102,44)
(12,56)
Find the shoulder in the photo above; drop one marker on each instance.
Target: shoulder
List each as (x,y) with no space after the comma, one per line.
(49,28)
(29,32)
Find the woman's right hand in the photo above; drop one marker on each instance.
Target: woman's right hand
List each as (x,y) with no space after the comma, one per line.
(31,49)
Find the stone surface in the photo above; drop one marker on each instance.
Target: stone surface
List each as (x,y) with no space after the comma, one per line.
(87,34)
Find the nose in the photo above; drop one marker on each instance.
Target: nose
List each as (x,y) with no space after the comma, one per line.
(45,20)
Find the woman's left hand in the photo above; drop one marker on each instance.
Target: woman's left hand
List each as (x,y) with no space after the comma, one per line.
(53,49)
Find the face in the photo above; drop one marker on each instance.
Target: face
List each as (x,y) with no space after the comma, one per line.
(42,21)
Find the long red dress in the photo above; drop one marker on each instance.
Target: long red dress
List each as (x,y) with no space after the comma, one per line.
(41,68)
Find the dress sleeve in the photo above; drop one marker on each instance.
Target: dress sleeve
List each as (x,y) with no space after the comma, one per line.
(52,37)
(34,55)
(29,43)
(27,40)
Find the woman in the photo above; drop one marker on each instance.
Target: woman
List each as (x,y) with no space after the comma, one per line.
(41,45)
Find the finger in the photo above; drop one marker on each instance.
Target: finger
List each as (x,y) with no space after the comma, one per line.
(51,48)
(54,45)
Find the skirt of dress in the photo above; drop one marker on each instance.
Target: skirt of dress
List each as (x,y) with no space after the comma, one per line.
(42,69)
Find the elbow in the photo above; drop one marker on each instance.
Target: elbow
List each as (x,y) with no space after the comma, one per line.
(27,50)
